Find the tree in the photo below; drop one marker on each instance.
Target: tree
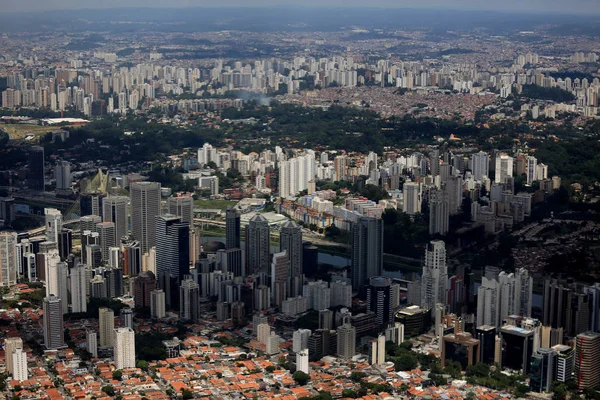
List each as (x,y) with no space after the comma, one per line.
(117,374)
(142,364)
(406,362)
(187,394)
(109,390)
(357,376)
(301,378)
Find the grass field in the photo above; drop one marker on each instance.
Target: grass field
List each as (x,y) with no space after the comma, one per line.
(215,204)
(20,131)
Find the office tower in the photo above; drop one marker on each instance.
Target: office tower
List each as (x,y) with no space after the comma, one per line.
(91,204)
(523,292)
(411,192)
(395,333)
(434,161)
(10,345)
(439,211)
(300,339)
(435,275)
(531,169)
(593,291)
(377,356)
(367,250)
(263,331)
(172,255)
(62,173)
(258,319)
(78,289)
(91,338)
(543,370)
(65,243)
(126,318)
(53,224)
(106,232)
(302,361)
(7,210)
(114,209)
(341,292)
(565,362)
(124,348)
(504,168)
(195,244)
(273,342)
(257,245)
(19,365)
(8,259)
(279,277)
(290,240)
(565,306)
(145,207)
(106,326)
(143,286)
(51,261)
(587,360)
(517,347)
(35,166)
(53,323)
(230,260)
(460,347)
(486,335)
(480,165)
(62,282)
(346,340)
(183,207)
(318,295)
(89,223)
(157,304)
(132,258)
(189,300)
(379,300)
(488,303)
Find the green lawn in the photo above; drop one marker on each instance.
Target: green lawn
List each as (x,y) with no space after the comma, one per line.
(215,204)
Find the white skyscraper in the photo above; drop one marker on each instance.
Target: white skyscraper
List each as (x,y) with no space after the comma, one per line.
(504,168)
(435,275)
(273,342)
(51,259)
(378,351)
(480,165)
(531,169)
(53,224)
(488,303)
(412,198)
(91,338)
(8,259)
(106,327)
(302,361)
(10,346)
(53,323)
(263,331)
(19,365)
(157,304)
(300,339)
(346,341)
(79,289)
(124,348)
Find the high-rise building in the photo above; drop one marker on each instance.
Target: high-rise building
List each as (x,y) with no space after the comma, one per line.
(480,165)
(488,303)
(143,286)
(439,211)
(300,339)
(566,306)
(395,333)
(36,171)
(460,347)
(531,169)
(62,279)
(435,275)
(587,360)
(106,327)
(279,277)
(157,304)
(434,160)
(517,347)
(543,370)
(62,173)
(19,365)
(257,245)
(132,258)
(79,282)
(411,192)
(126,318)
(273,342)
(10,345)
(91,338)
(54,222)
(65,243)
(565,362)
(53,323)
(232,229)
(346,341)
(377,356)
(379,300)
(114,209)
(263,331)
(302,361)
(189,300)
(367,250)
(91,204)
(124,348)
(172,255)
(290,240)
(145,207)
(486,335)
(106,231)
(183,207)
(8,259)
(504,168)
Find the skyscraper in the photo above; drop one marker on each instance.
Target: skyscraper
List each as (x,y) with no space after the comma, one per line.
(157,304)
(279,277)
(91,338)
(8,259)
(124,348)
(114,209)
(182,206)
(54,221)
(504,168)
(172,255)
(435,275)
(367,250)
(36,171)
(480,165)
(78,289)
(145,207)
(106,231)
(439,211)
(19,365)
(434,160)
(346,340)
(106,327)
(10,345)
(62,276)
(488,303)
(543,370)
(257,245)
(290,241)
(587,360)
(189,299)
(143,286)
(53,323)
(232,229)
(379,300)
(412,198)
(62,173)
(126,318)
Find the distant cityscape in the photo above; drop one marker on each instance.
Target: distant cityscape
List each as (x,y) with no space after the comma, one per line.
(371,214)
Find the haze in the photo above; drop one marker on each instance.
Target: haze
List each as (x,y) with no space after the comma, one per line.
(536,6)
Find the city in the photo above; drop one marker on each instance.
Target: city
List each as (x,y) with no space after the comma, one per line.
(270,204)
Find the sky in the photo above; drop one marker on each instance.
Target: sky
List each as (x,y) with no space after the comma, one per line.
(566,6)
